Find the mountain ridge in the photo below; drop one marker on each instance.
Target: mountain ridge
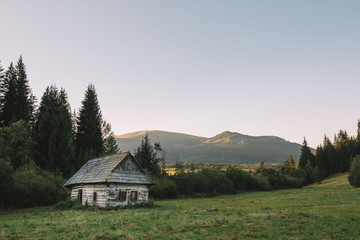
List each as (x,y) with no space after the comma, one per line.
(225,147)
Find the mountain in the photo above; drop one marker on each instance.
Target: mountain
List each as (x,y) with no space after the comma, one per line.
(226,147)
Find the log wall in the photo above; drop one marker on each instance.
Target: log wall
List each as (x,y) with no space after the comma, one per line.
(108,194)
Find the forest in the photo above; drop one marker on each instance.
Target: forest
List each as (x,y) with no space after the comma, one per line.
(42,144)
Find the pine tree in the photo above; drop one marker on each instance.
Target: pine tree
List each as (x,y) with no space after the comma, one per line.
(330,157)
(8,97)
(110,145)
(357,140)
(2,76)
(146,156)
(305,156)
(321,161)
(25,99)
(17,102)
(53,133)
(89,141)
(345,150)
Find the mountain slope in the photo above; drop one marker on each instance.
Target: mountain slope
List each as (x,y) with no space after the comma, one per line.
(226,147)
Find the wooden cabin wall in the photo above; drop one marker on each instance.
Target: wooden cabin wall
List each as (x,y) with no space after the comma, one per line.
(108,194)
(88,194)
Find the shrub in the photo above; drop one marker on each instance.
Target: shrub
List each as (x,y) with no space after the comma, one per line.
(36,187)
(260,182)
(240,178)
(354,176)
(6,183)
(164,188)
(219,183)
(190,184)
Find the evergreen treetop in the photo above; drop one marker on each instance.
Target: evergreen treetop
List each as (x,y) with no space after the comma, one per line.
(306,155)
(17,101)
(53,132)
(89,136)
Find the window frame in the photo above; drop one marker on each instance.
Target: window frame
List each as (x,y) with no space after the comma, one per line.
(132,197)
(122,196)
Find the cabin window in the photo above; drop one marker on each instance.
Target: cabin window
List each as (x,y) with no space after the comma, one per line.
(133,196)
(80,195)
(94,197)
(122,196)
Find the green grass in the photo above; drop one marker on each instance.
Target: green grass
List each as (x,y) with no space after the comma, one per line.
(330,210)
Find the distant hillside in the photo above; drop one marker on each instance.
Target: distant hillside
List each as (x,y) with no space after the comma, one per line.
(226,147)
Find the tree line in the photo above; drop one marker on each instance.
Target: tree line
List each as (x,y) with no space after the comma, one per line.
(329,158)
(42,145)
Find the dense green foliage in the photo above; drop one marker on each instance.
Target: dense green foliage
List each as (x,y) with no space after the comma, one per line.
(148,157)
(110,145)
(88,139)
(37,148)
(354,176)
(306,155)
(53,133)
(209,182)
(16,144)
(17,101)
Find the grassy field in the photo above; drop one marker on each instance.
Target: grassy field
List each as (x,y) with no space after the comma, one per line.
(330,210)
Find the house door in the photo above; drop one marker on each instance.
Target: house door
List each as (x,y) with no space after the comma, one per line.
(80,195)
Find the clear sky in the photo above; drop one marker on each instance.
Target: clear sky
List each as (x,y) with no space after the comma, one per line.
(280,67)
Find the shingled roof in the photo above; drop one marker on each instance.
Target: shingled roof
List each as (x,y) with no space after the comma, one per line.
(101,170)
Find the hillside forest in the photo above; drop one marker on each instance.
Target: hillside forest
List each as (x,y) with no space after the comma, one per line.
(44,143)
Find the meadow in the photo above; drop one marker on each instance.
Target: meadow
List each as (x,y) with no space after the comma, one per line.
(329,210)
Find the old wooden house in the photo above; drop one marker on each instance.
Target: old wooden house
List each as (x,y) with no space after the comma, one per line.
(110,181)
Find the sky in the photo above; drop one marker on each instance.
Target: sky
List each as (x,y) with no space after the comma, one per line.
(257,67)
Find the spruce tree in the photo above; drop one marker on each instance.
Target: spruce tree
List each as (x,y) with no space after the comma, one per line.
(110,145)
(25,99)
(358,138)
(89,141)
(305,156)
(53,133)
(147,157)
(333,165)
(345,150)
(17,101)
(8,97)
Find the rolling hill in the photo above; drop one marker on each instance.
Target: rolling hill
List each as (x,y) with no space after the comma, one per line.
(226,147)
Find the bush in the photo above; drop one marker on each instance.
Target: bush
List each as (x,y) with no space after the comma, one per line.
(190,184)
(260,183)
(6,183)
(164,188)
(240,178)
(354,176)
(218,182)
(36,187)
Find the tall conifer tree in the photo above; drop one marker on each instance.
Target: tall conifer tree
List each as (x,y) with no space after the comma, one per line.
(53,133)
(17,101)
(25,99)
(8,97)
(146,155)
(305,156)
(88,141)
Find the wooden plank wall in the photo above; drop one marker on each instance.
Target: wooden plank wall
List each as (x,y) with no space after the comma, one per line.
(108,195)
